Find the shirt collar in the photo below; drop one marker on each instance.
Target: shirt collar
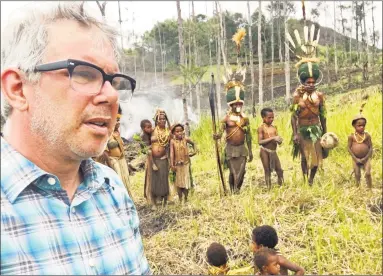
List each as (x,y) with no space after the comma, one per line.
(17,172)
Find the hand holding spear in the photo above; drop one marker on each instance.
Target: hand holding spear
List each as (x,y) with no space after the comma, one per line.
(212,103)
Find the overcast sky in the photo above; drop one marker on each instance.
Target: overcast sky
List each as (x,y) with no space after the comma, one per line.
(140,16)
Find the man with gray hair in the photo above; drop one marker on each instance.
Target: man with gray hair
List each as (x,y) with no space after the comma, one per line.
(61,212)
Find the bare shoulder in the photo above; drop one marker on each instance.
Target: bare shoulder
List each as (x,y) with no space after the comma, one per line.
(368,136)
(321,96)
(246,119)
(296,97)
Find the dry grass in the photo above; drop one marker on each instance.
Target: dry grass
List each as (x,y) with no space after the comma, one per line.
(330,228)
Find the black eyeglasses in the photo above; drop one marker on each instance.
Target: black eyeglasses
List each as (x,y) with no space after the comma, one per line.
(88,78)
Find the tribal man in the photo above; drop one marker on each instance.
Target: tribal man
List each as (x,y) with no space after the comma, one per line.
(237,128)
(308,119)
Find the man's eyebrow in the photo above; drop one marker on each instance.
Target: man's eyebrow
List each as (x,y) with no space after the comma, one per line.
(114,67)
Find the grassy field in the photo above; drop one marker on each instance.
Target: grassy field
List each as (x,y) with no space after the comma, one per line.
(330,228)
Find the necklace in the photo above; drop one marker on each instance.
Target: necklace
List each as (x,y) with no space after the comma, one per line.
(363,138)
(163,136)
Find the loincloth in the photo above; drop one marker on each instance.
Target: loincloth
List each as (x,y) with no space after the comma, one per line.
(272,157)
(236,151)
(309,139)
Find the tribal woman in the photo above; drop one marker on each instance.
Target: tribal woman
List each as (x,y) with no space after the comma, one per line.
(160,151)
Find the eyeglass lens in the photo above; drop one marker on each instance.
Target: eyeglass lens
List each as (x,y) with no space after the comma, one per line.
(87,79)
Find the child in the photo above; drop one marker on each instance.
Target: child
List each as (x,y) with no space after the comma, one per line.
(266,260)
(360,148)
(268,140)
(217,259)
(266,236)
(179,160)
(145,143)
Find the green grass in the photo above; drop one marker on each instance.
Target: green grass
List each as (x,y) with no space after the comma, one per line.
(327,228)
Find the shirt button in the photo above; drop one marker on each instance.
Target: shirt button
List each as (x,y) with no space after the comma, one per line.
(73,210)
(91,262)
(51,181)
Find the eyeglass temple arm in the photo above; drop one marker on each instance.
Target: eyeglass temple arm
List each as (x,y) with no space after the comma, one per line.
(52,66)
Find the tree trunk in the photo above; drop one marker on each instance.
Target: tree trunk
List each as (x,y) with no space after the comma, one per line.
(120,21)
(373,31)
(357,30)
(279,33)
(155,59)
(335,54)
(368,61)
(260,56)
(198,87)
(182,62)
(102,8)
(287,58)
(272,51)
(352,10)
(218,80)
(222,35)
(143,63)
(328,65)
(162,56)
(189,61)
(251,59)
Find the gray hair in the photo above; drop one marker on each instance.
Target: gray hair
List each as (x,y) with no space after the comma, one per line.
(24,40)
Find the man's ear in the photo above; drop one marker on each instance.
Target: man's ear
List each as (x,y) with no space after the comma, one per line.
(12,88)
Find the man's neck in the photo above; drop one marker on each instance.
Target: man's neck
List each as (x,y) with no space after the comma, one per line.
(34,149)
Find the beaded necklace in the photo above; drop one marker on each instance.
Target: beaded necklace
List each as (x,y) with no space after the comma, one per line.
(162,136)
(363,138)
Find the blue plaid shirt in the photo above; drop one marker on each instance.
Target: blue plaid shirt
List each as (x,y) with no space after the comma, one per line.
(43,233)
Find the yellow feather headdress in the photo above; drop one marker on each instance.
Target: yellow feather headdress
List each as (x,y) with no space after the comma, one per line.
(238,37)
(237,78)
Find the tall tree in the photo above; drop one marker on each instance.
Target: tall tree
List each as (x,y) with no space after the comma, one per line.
(218,80)
(162,55)
(272,50)
(251,59)
(335,54)
(365,34)
(120,21)
(357,11)
(222,35)
(373,31)
(260,56)
(196,61)
(102,8)
(279,30)
(352,14)
(182,63)
(287,57)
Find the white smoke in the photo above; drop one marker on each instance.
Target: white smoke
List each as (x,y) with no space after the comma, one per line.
(143,105)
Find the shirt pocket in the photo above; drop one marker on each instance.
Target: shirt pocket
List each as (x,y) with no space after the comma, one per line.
(121,252)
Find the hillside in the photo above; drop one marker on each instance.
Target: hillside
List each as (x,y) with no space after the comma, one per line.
(330,228)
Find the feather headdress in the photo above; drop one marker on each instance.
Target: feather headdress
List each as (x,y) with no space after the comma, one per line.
(305,50)
(360,115)
(236,78)
(234,81)
(238,37)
